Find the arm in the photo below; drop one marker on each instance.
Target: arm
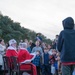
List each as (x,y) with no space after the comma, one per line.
(41,51)
(60,42)
(26,55)
(33,50)
(34,55)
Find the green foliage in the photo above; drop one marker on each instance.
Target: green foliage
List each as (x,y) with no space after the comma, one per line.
(0,32)
(10,29)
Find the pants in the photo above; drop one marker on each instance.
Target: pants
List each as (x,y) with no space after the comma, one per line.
(68,69)
(46,70)
(56,72)
(38,70)
(0,67)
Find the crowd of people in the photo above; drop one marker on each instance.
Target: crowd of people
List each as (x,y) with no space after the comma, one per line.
(57,58)
(45,58)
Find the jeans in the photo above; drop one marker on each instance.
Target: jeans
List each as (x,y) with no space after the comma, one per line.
(46,70)
(67,69)
(38,70)
(0,67)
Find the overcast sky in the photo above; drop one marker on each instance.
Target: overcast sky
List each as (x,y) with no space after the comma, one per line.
(43,16)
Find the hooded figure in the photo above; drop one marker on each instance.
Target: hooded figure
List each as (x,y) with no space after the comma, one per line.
(66,45)
(25,57)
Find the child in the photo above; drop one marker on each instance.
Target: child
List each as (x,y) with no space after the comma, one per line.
(59,63)
(46,67)
(53,61)
(36,61)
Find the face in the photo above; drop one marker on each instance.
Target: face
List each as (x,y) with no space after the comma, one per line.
(49,46)
(14,45)
(53,52)
(57,36)
(2,42)
(43,44)
(45,50)
(37,43)
(37,53)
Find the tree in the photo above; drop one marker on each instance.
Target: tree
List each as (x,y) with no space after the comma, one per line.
(10,29)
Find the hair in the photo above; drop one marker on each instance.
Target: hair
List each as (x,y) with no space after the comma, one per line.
(1,40)
(45,48)
(54,50)
(37,41)
(38,34)
(38,51)
(57,35)
(23,45)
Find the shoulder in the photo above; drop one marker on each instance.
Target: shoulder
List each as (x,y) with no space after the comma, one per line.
(34,47)
(62,32)
(40,48)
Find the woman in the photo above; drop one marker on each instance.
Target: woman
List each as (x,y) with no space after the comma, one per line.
(11,50)
(25,57)
(2,51)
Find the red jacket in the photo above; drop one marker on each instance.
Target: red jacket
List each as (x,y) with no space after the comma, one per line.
(25,55)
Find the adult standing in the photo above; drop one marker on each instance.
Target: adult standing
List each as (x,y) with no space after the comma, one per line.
(2,51)
(66,46)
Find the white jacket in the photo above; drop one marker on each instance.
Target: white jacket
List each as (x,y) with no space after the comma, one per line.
(2,48)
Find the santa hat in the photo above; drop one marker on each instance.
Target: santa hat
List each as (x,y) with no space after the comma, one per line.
(12,41)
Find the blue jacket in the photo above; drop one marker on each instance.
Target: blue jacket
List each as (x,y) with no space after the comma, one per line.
(29,49)
(36,61)
(66,41)
(46,58)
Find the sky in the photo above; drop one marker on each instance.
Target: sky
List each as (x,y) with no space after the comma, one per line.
(44,16)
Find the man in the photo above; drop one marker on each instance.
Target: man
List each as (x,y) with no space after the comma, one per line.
(66,46)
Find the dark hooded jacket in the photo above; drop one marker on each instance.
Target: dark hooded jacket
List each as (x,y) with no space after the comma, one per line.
(66,41)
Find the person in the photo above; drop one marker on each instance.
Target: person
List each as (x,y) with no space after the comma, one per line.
(46,67)
(12,50)
(43,45)
(2,51)
(37,47)
(56,40)
(37,62)
(29,46)
(50,49)
(54,46)
(59,63)
(25,57)
(66,46)
(55,64)
(38,37)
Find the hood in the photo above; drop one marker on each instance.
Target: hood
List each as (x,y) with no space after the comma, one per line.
(68,23)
